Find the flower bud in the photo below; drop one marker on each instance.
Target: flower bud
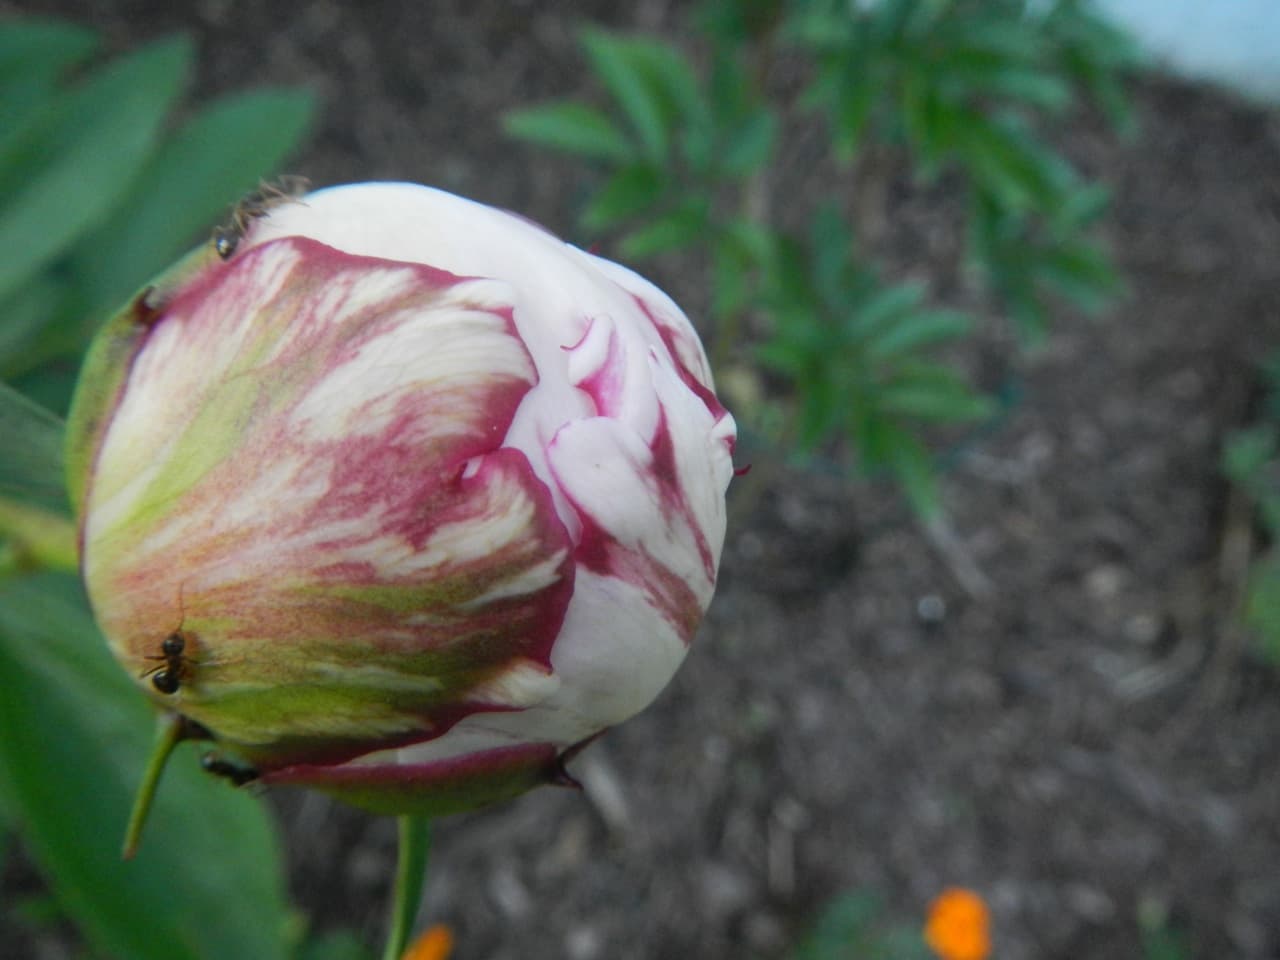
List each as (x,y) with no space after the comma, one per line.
(399,496)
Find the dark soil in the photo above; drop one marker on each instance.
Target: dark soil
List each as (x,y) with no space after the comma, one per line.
(1080,733)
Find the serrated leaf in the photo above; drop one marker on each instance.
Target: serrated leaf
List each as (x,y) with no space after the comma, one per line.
(31,437)
(121,110)
(207,884)
(571,127)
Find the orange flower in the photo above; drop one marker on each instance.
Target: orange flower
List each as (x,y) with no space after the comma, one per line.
(435,944)
(959,925)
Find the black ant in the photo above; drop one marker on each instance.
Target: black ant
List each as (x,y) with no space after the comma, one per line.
(253,205)
(237,774)
(168,677)
(174,667)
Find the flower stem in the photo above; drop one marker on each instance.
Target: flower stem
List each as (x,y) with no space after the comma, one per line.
(168,735)
(411,872)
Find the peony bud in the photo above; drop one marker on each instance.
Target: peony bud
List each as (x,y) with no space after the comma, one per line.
(399,496)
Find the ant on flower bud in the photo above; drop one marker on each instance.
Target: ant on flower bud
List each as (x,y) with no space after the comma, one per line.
(238,775)
(173,669)
(258,203)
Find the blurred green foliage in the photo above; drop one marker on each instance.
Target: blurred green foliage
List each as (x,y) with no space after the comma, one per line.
(687,146)
(1160,938)
(99,189)
(1251,460)
(853,926)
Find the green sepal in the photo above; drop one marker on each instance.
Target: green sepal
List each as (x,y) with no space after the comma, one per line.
(107,364)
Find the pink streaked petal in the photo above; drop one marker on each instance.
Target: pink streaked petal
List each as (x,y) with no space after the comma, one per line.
(667,318)
(394,523)
(634,525)
(613,657)
(437,788)
(610,366)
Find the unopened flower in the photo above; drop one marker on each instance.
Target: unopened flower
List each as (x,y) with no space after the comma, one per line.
(397,495)
(959,925)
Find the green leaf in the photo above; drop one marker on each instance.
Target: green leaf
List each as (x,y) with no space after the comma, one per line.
(917,330)
(34,54)
(1009,163)
(1246,451)
(883,310)
(22,318)
(820,410)
(335,945)
(212,160)
(932,392)
(31,437)
(915,472)
(1262,605)
(1081,273)
(207,882)
(37,46)
(682,227)
(845,929)
(571,127)
(831,250)
(619,66)
(633,190)
(119,113)
(749,146)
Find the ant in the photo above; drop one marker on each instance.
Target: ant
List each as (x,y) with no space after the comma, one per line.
(168,676)
(237,774)
(253,205)
(174,667)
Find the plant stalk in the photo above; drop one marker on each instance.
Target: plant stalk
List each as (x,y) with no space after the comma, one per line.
(411,874)
(168,734)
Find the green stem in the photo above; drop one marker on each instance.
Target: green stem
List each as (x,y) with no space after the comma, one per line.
(168,735)
(411,873)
